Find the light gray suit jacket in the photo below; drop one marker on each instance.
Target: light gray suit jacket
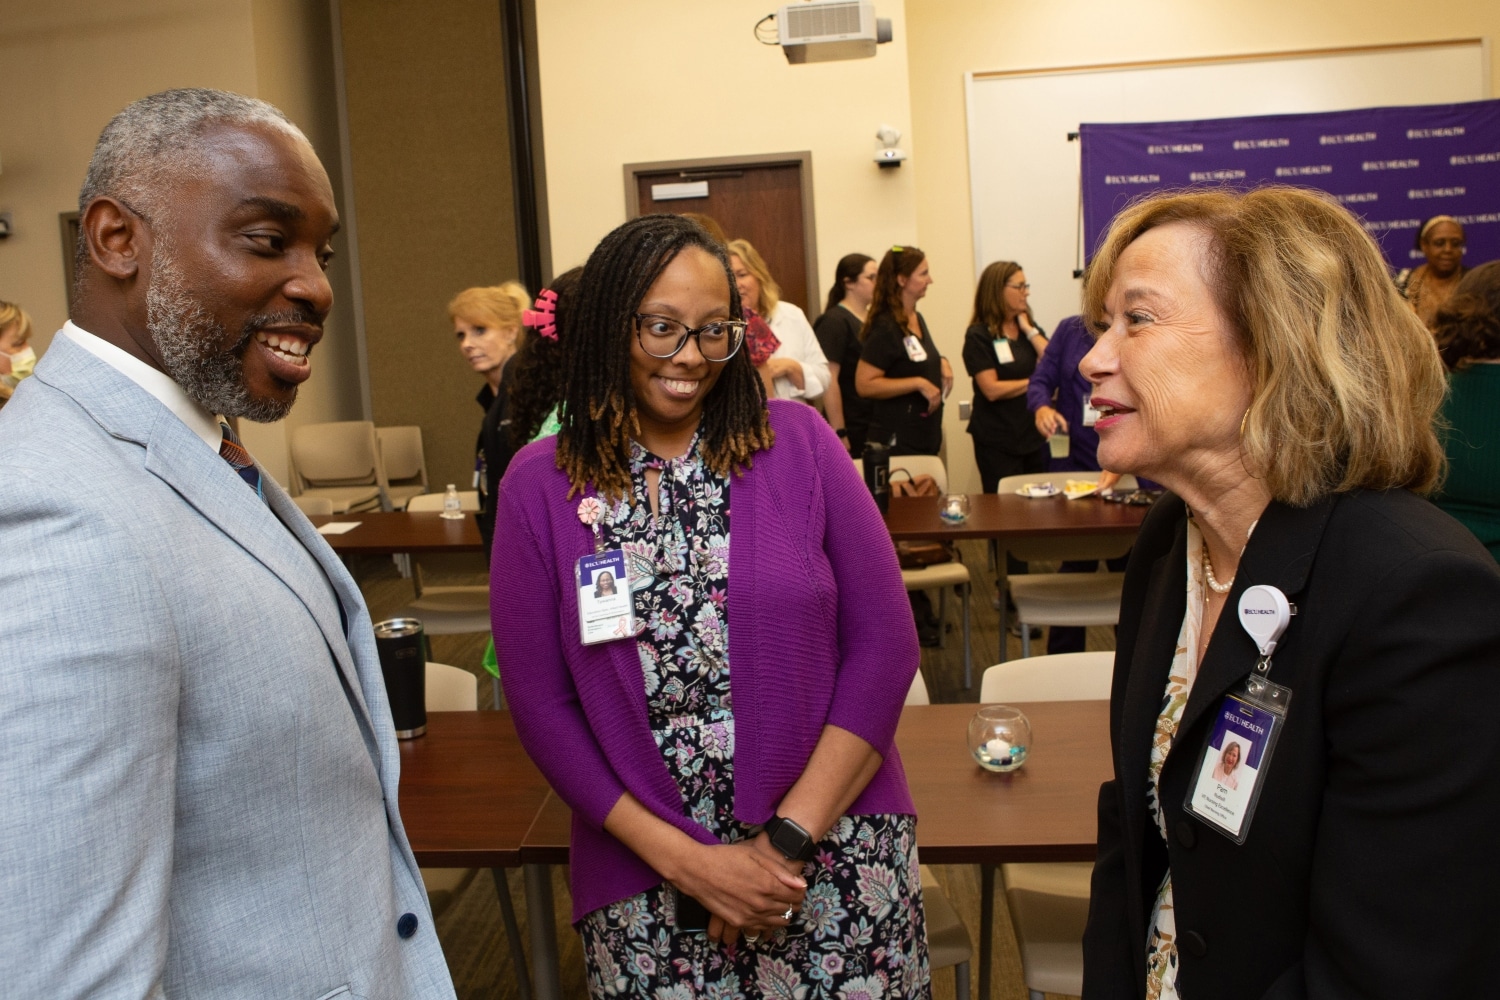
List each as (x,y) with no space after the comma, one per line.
(198,774)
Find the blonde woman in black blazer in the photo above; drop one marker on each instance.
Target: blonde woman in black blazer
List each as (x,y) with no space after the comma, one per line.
(1253,357)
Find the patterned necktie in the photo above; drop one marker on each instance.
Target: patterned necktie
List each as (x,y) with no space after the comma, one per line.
(231,451)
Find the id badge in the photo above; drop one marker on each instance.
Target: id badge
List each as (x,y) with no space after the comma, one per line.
(606,610)
(1003,353)
(1233,765)
(914,348)
(1090,415)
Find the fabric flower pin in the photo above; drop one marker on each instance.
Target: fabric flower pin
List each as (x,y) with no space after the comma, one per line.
(542,316)
(590,509)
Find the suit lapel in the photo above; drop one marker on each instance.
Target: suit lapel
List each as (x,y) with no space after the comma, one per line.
(1280,554)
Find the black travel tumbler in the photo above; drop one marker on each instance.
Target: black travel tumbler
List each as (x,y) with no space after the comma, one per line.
(877,462)
(402,645)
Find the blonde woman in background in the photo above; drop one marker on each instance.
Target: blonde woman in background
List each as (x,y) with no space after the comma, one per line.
(17,359)
(487,322)
(797,369)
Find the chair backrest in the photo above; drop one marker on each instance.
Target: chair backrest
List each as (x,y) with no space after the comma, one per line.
(1059,677)
(343,453)
(313,506)
(1074,547)
(451,689)
(401,452)
(922,465)
(469,499)
(917,693)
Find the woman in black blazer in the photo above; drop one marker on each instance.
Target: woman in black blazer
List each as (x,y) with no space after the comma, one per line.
(1253,357)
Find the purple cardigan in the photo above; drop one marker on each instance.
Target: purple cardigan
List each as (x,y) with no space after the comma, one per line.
(820,631)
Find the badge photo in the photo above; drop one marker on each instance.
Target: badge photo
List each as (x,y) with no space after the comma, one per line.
(605,608)
(1232,767)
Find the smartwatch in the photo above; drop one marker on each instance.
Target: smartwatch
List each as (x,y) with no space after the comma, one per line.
(841,432)
(795,843)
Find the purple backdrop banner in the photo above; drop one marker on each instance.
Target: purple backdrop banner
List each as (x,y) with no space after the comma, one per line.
(1392,167)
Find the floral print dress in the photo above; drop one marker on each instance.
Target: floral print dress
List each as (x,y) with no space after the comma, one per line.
(1161,943)
(859,934)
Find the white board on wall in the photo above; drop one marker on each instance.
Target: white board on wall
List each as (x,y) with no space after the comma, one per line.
(1023,171)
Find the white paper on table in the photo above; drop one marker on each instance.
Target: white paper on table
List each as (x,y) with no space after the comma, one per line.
(338,527)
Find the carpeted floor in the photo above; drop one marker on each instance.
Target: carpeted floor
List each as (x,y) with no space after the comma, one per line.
(470,926)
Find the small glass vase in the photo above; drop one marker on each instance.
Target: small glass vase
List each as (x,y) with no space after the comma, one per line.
(999,737)
(955,509)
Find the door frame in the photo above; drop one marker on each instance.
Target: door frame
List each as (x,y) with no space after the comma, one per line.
(710,164)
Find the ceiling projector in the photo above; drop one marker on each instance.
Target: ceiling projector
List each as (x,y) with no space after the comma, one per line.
(827,30)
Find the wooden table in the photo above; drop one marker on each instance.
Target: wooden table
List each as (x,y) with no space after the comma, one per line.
(1046,811)
(468,796)
(1006,515)
(386,533)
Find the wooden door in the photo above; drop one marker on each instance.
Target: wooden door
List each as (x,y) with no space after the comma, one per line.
(768,203)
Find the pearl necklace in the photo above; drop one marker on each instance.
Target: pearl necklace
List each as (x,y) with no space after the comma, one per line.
(1213,582)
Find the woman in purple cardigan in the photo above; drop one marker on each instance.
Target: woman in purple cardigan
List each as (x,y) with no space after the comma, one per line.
(769,793)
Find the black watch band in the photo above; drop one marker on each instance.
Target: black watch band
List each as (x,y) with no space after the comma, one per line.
(841,432)
(795,843)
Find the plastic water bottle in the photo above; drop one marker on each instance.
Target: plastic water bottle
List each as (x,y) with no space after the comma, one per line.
(453,507)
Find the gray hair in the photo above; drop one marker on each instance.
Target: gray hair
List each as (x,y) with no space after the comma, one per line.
(158,136)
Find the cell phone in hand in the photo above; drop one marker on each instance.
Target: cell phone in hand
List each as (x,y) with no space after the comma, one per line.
(692,916)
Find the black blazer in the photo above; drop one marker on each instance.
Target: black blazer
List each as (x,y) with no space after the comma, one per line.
(1370,867)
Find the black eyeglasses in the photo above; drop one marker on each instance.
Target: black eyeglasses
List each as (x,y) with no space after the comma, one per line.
(663,337)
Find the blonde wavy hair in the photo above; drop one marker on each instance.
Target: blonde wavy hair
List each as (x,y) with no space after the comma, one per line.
(497,306)
(1345,379)
(12,315)
(770,292)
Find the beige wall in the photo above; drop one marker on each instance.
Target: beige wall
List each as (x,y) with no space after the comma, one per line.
(948,38)
(676,79)
(67,67)
(431,178)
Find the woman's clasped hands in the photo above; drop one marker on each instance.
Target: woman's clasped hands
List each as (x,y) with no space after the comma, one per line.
(748,887)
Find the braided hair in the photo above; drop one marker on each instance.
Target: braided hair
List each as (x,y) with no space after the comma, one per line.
(598,405)
(539,366)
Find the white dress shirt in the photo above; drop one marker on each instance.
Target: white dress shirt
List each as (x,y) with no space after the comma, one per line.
(157,383)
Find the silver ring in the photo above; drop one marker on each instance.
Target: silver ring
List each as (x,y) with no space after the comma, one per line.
(752,939)
(787,916)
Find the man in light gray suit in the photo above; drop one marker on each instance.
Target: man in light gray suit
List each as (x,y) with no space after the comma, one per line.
(198,781)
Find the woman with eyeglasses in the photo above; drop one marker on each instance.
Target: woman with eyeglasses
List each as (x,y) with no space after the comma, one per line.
(900,370)
(1429,286)
(741,823)
(1001,349)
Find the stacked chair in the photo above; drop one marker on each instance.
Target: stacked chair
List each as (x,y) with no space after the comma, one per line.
(340,462)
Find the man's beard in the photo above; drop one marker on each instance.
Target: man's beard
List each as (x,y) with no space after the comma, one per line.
(188,339)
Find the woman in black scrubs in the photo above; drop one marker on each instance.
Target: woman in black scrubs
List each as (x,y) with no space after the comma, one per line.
(487,323)
(838,334)
(1001,349)
(900,370)
(905,378)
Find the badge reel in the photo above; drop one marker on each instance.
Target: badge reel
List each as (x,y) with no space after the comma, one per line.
(1245,729)
(606,609)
